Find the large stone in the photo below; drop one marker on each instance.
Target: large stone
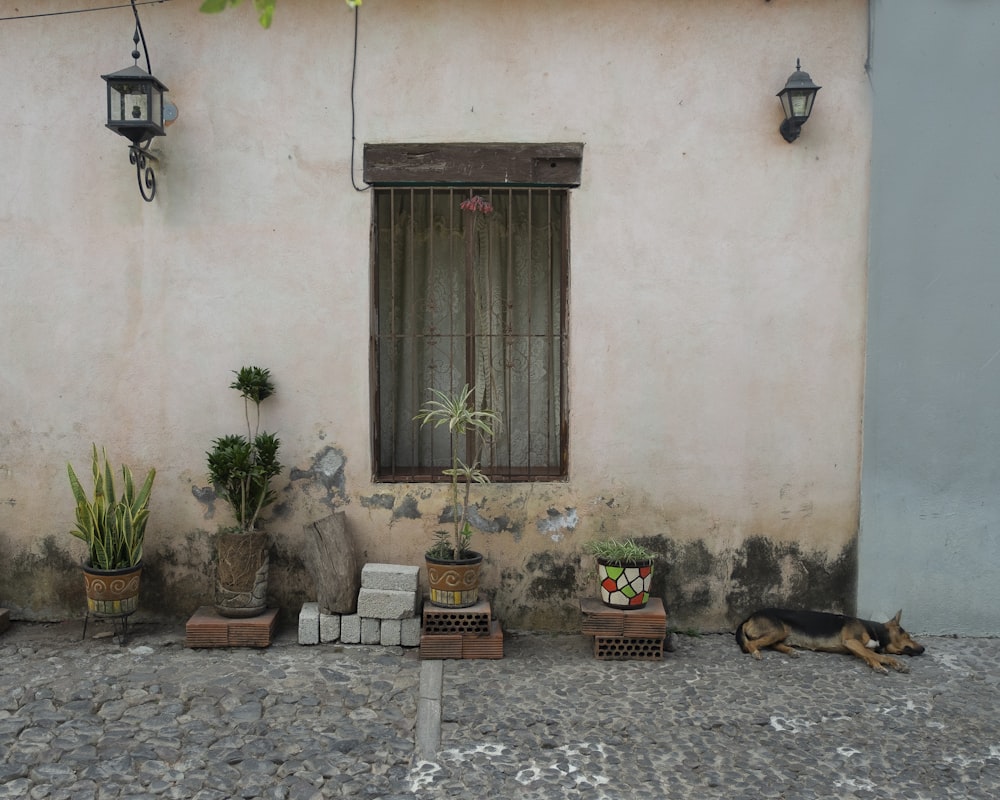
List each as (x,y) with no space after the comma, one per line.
(386,604)
(332,561)
(394,577)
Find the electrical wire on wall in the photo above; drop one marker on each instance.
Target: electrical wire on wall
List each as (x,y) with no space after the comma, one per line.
(354,74)
(85,10)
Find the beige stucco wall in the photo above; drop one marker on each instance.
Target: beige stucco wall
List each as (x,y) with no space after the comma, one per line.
(716,302)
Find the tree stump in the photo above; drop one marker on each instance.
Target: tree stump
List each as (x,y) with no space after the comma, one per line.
(333,563)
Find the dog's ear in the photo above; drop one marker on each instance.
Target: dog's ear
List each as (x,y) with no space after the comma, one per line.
(898,616)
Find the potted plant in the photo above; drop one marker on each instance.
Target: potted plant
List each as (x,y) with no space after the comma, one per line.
(241,468)
(625,571)
(452,566)
(113,529)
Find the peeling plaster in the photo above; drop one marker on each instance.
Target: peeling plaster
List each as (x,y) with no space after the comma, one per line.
(327,472)
(557,523)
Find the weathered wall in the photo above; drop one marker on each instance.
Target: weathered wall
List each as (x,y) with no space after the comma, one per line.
(931,512)
(716,301)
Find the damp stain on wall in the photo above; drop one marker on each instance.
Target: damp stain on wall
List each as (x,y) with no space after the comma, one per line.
(325,474)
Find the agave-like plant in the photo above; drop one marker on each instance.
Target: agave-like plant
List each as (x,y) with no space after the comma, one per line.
(113,529)
(463,419)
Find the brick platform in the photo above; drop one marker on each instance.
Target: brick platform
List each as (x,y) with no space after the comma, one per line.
(466,633)
(208,628)
(626,635)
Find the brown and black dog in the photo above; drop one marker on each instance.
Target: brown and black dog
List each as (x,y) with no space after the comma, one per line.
(783,629)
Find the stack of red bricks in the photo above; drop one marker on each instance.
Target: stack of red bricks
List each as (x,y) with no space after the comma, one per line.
(625,635)
(461,632)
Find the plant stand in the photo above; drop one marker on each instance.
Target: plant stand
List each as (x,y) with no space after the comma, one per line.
(119,624)
(465,633)
(208,628)
(620,635)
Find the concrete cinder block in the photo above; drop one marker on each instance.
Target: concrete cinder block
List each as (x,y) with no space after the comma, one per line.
(350,629)
(309,624)
(391,630)
(394,577)
(371,630)
(409,632)
(329,628)
(386,604)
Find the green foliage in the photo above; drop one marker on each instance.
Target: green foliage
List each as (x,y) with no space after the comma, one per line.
(264,8)
(463,419)
(113,529)
(619,552)
(241,467)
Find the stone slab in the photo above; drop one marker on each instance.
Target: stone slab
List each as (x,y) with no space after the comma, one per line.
(391,632)
(394,577)
(371,630)
(309,624)
(329,627)
(386,604)
(350,629)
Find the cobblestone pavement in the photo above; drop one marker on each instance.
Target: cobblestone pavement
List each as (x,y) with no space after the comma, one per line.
(152,719)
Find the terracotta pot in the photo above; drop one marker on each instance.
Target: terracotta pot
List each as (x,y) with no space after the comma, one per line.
(241,577)
(454,584)
(625,586)
(112,592)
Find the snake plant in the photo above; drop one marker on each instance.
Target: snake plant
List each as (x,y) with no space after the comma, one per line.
(113,528)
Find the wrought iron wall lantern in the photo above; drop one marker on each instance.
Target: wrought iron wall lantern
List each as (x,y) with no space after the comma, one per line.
(135,111)
(797,101)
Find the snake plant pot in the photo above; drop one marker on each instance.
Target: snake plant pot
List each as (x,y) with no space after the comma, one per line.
(625,584)
(112,592)
(241,578)
(454,583)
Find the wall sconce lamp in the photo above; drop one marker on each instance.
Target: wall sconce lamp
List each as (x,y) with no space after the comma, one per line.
(135,111)
(797,101)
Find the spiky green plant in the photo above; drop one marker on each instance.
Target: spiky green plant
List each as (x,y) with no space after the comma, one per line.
(241,467)
(619,552)
(463,419)
(113,529)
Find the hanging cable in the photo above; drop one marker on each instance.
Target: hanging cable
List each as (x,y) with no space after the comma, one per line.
(354,73)
(81,10)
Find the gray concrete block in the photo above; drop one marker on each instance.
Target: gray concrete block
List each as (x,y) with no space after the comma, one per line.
(350,629)
(371,630)
(386,604)
(309,624)
(329,627)
(394,577)
(391,630)
(409,632)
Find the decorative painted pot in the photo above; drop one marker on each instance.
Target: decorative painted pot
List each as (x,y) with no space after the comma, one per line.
(454,584)
(112,592)
(241,576)
(625,586)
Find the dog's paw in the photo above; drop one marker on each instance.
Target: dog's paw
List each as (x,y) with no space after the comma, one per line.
(756,654)
(793,654)
(899,666)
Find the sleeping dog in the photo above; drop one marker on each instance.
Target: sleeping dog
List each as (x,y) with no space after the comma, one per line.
(783,629)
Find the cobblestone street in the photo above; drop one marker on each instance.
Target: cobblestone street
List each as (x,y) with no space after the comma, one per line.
(152,719)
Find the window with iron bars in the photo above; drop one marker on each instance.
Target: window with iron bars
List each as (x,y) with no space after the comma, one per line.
(469,287)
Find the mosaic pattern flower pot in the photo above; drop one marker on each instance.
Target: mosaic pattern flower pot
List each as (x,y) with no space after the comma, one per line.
(625,586)
(112,593)
(454,584)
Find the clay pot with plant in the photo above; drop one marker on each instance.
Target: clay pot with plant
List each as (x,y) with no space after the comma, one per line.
(624,571)
(241,468)
(114,530)
(452,566)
